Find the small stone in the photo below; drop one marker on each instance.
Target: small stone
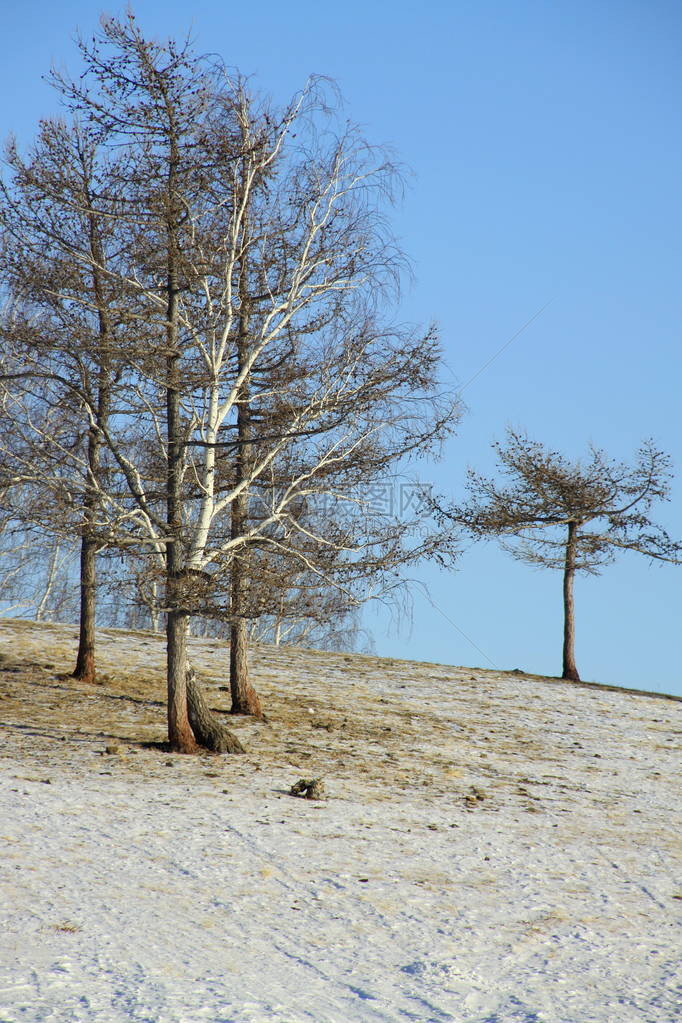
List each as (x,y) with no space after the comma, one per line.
(112,749)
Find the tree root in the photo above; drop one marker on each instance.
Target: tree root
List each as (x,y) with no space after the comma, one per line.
(208,731)
(248,703)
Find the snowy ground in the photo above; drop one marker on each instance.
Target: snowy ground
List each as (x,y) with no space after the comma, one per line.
(494,848)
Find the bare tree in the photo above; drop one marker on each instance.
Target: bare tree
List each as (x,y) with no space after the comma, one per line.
(63,203)
(256,271)
(62,330)
(35,570)
(35,565)
(571,516)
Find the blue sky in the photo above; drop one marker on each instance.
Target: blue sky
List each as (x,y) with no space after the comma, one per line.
(545,156)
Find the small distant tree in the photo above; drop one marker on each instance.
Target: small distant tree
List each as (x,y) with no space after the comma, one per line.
(572,516)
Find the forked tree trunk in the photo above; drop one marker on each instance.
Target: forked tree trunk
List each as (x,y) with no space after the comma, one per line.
(570,670)
(208,730)
(180,734)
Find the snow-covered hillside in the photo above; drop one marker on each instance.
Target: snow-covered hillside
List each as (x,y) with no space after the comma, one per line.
(494,848)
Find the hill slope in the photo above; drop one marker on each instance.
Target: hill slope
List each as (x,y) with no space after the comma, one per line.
(493,848)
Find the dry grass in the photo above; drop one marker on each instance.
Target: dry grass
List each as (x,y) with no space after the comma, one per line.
(352,718)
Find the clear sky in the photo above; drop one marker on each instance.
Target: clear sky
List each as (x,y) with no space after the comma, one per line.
(545,153)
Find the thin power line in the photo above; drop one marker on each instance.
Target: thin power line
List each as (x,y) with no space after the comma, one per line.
(504,346)
(455,626)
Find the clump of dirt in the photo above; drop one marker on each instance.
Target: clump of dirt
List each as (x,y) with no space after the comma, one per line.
(312,788)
